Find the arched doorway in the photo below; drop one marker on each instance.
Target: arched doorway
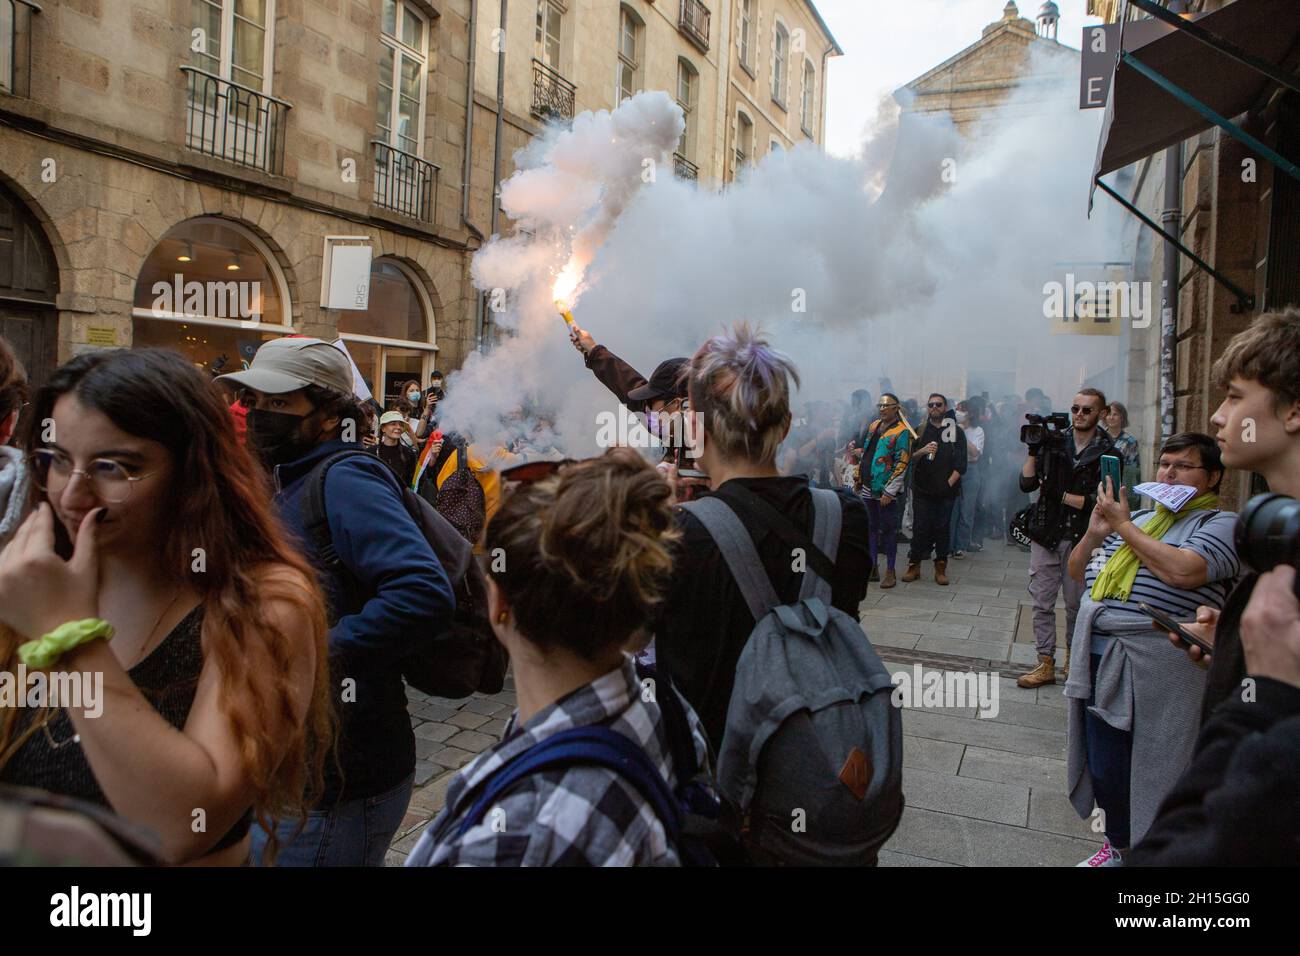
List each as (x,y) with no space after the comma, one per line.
(29,284)
(392,341)
(213,291)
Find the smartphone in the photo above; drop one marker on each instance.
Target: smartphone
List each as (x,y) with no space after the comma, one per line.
(691,473)
(1169,624)
(1110,469)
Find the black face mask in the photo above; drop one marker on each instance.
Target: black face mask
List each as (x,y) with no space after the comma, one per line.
(277,436)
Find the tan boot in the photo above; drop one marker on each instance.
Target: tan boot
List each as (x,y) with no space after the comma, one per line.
(941,571)
(1044,673)
(912,573)
(889,580)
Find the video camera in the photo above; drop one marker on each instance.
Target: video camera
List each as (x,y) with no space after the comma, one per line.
(1043,429)
(1268,533)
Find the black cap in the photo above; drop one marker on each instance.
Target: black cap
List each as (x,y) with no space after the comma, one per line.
(666,382)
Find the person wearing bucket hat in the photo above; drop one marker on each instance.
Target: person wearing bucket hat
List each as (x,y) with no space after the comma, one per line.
(388,587)
(392,450)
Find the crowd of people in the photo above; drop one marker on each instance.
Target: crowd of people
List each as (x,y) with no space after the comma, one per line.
(257,569)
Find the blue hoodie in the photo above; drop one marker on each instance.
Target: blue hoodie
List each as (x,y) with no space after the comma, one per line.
(408,596)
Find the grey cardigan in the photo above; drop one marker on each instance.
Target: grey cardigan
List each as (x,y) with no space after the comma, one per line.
(1145,686)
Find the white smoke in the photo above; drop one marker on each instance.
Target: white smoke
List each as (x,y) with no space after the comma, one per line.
(936,284)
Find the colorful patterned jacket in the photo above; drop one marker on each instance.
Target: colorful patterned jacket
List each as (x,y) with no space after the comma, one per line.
(884,474)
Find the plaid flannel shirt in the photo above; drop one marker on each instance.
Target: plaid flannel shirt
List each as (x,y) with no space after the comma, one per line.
(578,816)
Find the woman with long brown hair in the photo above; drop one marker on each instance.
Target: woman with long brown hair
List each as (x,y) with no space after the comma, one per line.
(152,528)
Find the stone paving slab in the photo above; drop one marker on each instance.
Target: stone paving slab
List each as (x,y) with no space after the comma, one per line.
(990,734)
(1048,812)
(940,756)
(967,797)
(965,841)
(1039,773)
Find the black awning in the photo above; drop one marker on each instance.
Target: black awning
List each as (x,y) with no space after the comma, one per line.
(1142,118)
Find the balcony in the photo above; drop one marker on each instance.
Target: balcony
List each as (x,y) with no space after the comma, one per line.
(553,95)
(405,183)
(16,46)
(235,123)
(693,22)
(683,168)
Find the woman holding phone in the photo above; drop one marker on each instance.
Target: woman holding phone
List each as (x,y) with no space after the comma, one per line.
(1134,710)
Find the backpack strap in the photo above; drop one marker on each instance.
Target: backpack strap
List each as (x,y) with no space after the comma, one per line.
(316,527)
(737,546)
(591,745)
(828,518)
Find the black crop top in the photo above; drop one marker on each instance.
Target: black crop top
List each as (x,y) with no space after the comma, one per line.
(168,678)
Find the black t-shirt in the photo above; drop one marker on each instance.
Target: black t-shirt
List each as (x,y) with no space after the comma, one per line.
(399,458)
(1228,663)
(704,623)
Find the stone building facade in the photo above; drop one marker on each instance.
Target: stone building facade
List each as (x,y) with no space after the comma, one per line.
(169,129)
(1246,226)
(148,147)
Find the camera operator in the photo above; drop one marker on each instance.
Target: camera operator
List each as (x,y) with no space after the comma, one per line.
(1064,466)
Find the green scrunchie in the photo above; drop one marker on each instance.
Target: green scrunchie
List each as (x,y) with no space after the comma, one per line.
(45,652)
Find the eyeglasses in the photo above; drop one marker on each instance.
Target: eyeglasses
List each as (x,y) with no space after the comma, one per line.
(1177,466)
(111,483)
(1076,409)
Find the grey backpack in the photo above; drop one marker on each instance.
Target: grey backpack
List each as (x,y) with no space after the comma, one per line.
(812,753)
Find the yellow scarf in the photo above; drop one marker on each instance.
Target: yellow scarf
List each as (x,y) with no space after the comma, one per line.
(1117,576)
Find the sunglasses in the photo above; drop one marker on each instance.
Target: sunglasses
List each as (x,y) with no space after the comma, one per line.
(934,404)
(1076,409)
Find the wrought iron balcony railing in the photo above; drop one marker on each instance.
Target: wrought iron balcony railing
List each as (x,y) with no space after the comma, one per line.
(234,122)
(683,168)
(405,183)
(553,95)
(16,46)
(693,21)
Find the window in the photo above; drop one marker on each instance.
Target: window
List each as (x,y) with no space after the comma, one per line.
(744,140)
(235,40)
(747,35)
(402,69)
(548,33)
(629,44)
(687,80)
(391,341)
(807,110)
(211,290)
(780,51)
(231,113)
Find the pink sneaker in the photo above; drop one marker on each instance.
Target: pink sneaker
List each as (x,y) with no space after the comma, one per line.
(1106,856)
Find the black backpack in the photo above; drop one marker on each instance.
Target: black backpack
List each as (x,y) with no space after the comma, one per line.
(455,662)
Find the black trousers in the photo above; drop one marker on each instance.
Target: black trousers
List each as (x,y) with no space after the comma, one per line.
(931,527)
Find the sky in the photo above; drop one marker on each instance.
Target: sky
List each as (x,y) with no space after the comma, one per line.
(888,43)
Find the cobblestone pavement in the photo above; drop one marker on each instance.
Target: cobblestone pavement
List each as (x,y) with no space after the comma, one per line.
(980,792)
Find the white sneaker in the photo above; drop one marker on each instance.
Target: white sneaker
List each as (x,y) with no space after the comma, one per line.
(959,555)
(1106,856)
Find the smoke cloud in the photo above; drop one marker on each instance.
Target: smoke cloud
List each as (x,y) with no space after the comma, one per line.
(923,260)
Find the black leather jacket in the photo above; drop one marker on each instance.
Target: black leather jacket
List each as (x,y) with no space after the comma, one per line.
(1066,474)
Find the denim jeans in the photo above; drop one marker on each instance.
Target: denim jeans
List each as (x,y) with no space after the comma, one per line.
(354,833)
(963,515)
(883,533)
(1110,757)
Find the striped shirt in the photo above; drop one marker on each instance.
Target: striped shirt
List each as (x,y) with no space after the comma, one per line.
(1211,536)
